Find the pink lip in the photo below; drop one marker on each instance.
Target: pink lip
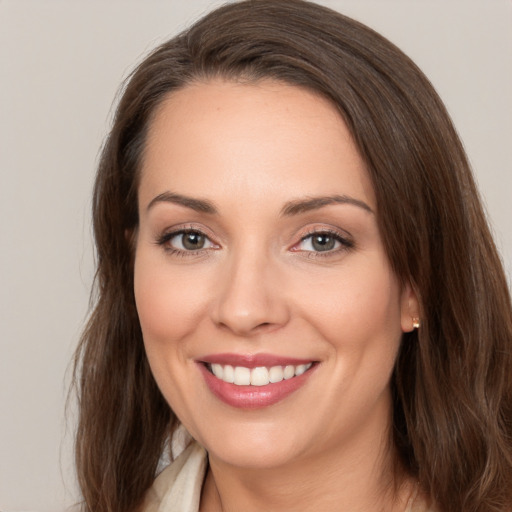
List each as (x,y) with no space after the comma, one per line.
(253,397)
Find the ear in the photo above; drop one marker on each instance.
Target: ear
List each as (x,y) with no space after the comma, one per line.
(410,309)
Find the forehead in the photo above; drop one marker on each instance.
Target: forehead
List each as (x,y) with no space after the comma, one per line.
(223,138)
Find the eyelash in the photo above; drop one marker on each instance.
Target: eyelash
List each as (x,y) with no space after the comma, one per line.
(164,239)
(345,243)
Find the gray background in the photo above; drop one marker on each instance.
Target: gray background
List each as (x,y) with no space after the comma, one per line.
(61,63)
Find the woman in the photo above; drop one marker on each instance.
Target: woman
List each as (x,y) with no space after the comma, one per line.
(293,264)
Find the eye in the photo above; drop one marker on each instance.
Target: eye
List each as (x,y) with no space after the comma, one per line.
(323,241)
(186,240)
(189,241)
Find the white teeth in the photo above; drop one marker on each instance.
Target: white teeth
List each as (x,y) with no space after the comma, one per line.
(275,374)
(289,372)
(300,369)
(228,374)
(217,370)
(242,376)
(259,376)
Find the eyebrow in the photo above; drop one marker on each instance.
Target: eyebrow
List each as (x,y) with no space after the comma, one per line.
(291,208)
(314,203)
(199,205)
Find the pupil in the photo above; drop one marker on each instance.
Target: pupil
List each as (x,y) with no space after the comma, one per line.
(193,241)
(323,243)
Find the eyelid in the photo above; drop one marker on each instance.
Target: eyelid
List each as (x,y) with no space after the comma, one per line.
(169,233)
(345,240)
(343,237)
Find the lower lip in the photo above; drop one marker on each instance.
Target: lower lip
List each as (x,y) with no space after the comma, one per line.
(253,397)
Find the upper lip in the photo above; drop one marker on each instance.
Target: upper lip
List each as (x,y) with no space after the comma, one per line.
(252,360)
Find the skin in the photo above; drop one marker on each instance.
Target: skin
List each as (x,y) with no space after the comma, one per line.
(258,285)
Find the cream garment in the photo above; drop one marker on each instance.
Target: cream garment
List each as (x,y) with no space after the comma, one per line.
(178,487)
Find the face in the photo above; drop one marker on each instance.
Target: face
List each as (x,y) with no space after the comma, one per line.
(270,315)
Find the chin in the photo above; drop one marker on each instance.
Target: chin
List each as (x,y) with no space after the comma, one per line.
(252,446)
(253,454)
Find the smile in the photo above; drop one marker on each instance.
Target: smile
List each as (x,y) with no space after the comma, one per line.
(259,376)
(254,381)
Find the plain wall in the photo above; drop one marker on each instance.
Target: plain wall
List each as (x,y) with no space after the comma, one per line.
(61,63)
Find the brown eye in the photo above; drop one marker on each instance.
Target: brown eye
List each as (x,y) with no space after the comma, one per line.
(186,241)
(323,242)
(192,240)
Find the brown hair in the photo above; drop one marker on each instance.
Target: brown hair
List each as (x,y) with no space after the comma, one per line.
(452,384)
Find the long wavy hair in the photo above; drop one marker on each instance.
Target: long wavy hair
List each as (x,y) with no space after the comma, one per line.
(452,384)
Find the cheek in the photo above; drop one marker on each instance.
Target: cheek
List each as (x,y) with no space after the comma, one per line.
(168,305)
(359,307)
(358,315)
(168,301)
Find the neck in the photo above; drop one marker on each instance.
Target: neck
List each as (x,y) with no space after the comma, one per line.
(357,476)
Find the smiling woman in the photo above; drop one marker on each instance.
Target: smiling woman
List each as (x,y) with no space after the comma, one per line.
(293,265)
(271,279)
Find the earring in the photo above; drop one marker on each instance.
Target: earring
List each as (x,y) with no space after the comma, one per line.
(416,323)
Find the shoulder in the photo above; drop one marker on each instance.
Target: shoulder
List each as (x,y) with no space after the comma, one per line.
(179,484)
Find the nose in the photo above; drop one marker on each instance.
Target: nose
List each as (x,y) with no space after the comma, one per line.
(251,297)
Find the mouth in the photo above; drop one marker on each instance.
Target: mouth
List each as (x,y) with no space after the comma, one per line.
(258,376)
(250,382)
